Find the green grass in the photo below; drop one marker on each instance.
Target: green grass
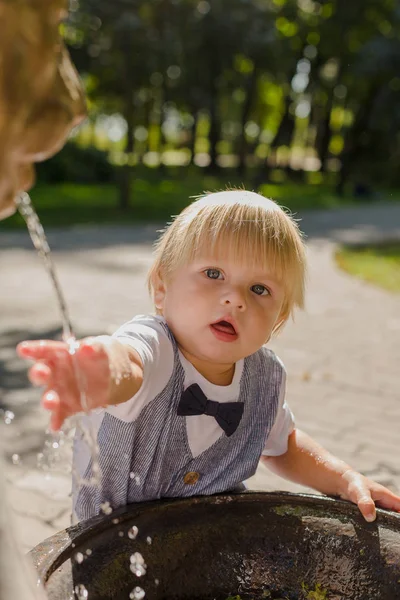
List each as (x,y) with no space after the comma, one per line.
(379,265)
(157,195)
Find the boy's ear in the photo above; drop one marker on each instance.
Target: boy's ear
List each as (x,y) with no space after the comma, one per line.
(159,291)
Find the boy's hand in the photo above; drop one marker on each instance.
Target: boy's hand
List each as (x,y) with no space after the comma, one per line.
(57,370)
(366,493)
(308,463)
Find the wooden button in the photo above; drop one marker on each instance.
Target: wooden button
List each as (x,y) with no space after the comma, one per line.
(191,478)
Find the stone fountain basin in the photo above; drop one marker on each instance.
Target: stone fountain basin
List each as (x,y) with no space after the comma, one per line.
(255,544)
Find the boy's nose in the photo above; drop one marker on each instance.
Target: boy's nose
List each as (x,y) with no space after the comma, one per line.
(235,299)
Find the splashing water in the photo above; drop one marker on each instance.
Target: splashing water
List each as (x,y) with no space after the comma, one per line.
(8,416)
(81,592)
(137,566)
(132,533)
(36,231)
(106,508)
(41,245)
(16,459)
(137,594)
(39,241)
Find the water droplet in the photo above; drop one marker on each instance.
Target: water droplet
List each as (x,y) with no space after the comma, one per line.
(115,521)
(138,570)
(157,581)
(16,459)
(88,552)
(8,417)
(137,594)
(79,557)
(132,533)
(149,540)
(138,566)
(121,533)
(81,592)
(95,470)
(137,480)
(137,558)
(132,475)
(106,508)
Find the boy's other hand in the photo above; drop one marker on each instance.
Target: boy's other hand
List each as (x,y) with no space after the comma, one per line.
(73,383)
(366,494)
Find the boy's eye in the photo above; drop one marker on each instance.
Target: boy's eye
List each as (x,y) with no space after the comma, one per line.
(213,273)
(260,290)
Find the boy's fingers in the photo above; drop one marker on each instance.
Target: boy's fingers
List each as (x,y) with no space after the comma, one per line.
(386,499)
(93,374)
(367,508)
(41,349)
(51,400)
(39,374)
(56,421)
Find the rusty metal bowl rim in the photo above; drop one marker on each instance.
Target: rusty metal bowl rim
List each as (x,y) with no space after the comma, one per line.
(50,554)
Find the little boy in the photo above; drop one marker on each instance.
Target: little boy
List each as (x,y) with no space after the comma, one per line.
(188,401)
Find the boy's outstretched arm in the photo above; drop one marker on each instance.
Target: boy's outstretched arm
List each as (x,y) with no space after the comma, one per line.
(309,464)
(108,372)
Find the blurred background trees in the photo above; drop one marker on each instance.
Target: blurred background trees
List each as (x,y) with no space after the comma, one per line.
(270,91)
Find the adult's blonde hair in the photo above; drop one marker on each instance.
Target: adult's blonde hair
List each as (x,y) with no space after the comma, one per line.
(246,226)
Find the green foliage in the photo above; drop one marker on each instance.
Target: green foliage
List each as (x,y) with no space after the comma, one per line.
(319,78)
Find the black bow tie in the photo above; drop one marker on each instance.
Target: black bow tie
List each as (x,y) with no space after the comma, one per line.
(194,402)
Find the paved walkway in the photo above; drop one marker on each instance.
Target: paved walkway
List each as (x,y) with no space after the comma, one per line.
(342,354)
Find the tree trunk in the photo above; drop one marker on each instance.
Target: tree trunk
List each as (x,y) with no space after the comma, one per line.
(193,131)
(147,124)
(162,22)
(124,179)
(324,133)
(214,70)
(251,87)
(285,131)
(213,135)
(352,144)
(124,187)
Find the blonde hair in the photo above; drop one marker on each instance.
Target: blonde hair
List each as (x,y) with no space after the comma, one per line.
(244,225)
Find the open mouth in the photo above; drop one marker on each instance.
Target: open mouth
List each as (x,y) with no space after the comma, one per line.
(225,327)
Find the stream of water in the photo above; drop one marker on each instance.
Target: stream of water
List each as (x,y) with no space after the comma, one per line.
(37,234)
(41,245)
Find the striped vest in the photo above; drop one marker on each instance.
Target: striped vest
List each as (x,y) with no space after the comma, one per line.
(150,458)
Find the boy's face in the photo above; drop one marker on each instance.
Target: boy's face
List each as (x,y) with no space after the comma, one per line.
(220,311)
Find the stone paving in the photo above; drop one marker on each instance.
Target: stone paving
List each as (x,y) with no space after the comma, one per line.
(342,353)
